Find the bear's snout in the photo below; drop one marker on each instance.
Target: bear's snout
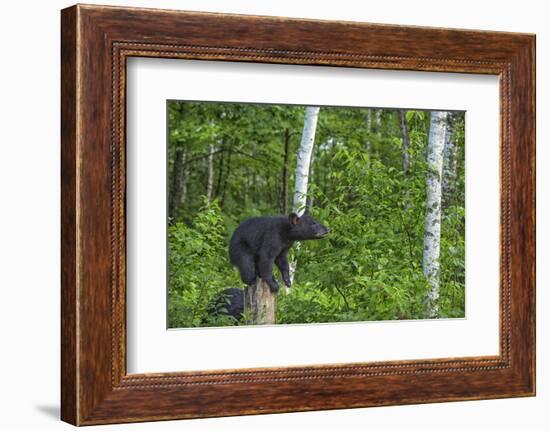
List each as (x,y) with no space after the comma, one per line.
(325,231)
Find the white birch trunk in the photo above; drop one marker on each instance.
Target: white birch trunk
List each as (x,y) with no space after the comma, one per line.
(210,181)
(302,171)
(432,226)
(312,180)
(304,159)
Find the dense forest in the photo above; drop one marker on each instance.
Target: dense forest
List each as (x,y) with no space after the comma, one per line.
(389,183)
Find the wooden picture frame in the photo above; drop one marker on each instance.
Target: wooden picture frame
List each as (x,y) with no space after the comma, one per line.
(95,43)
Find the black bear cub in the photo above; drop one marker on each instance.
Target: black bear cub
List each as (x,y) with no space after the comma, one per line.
(229,302)
(260,242)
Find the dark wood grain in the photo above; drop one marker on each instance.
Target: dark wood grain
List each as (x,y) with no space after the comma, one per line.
(96,41)
(69,367)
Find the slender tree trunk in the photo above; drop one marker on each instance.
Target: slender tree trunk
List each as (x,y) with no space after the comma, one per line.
(260,304)
(220,172)
(210,180)
(406,142)
(284,206)
(177,186)
(311,180)
(302,170)
(226,177)
(183,182)
(449,164)
(432,225)
(304,159)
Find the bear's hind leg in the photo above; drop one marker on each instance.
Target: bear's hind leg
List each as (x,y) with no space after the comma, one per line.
(245,264)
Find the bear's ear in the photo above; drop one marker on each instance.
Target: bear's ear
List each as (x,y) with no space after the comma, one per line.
(293,219)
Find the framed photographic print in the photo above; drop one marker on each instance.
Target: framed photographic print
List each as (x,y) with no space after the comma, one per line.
(279,215)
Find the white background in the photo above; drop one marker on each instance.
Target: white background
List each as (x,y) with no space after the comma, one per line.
(29,219)
(151,348)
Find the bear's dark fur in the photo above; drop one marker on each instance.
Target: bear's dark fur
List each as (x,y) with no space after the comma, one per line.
(260,242)
(230,302)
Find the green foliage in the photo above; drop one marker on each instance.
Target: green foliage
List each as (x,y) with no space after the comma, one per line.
(369,267)
(197,269)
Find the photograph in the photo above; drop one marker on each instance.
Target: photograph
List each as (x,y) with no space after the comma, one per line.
(288,214)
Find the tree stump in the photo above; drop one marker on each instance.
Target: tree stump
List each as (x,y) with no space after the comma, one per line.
(260,304)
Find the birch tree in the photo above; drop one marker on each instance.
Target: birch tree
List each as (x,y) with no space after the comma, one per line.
(310,199)
(432,225)
(284,197)
(302,170)
(304,159)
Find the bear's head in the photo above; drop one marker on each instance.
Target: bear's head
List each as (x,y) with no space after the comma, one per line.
(306,227)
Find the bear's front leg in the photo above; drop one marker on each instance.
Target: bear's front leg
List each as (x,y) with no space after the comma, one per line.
(265,268)
(282,263)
